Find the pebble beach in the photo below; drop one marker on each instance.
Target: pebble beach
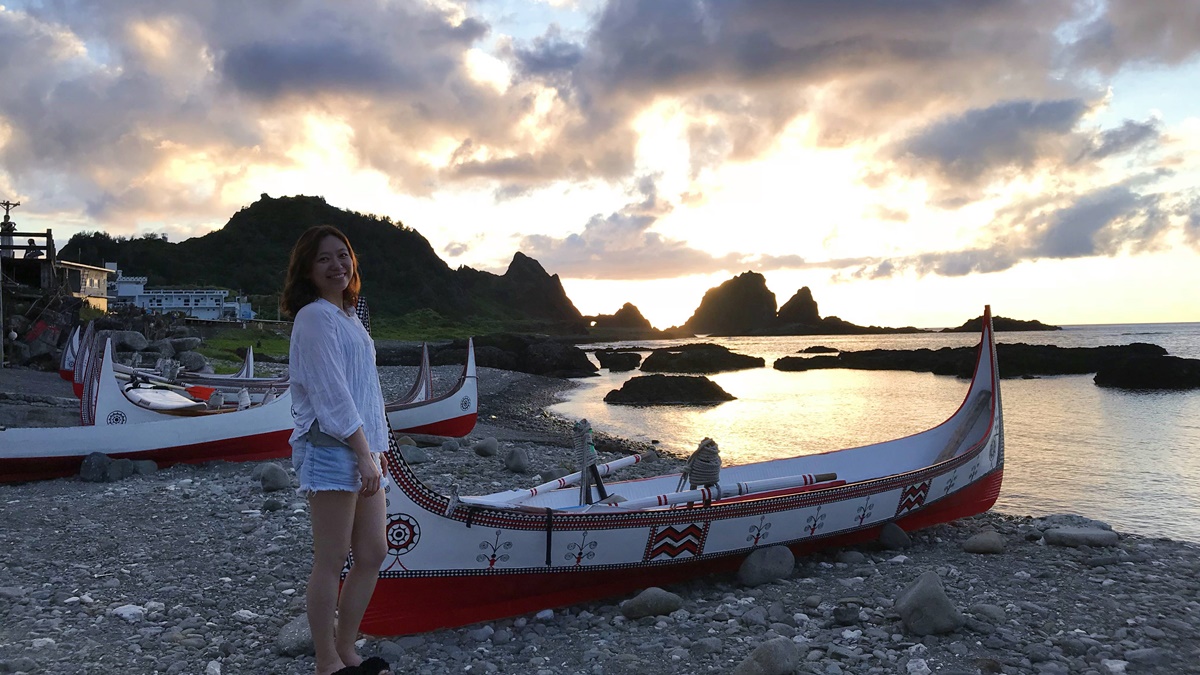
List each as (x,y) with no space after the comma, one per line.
(199,569)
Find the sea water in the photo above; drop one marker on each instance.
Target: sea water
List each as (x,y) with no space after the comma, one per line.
(1129,458)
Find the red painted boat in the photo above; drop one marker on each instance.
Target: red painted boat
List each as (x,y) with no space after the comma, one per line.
(459,560)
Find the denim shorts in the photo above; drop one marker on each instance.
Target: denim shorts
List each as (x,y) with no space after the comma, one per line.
(322,468)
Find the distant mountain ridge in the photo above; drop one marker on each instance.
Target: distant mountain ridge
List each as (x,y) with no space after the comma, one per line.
(401,272)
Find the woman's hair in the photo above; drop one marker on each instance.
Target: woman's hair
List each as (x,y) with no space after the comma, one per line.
(298,288)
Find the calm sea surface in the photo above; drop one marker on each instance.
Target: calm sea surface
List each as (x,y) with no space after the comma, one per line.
(1131,459)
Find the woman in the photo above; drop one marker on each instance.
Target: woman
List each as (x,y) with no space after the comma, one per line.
(340,431)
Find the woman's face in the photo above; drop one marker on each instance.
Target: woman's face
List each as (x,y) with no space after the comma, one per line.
(332,269)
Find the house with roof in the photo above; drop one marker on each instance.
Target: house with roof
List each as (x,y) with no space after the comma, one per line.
(202,303)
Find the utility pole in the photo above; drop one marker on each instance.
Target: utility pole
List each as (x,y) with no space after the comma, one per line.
(7,228)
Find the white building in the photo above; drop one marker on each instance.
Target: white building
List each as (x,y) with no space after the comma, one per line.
(201,303)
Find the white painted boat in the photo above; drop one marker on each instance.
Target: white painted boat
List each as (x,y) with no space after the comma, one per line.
(166,429)
(458,560)
(454,413)
(256,433)
(66,360)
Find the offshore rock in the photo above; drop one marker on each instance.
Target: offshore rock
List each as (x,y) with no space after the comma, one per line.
(1150,372)
(628,317)
(739,306)
(801,308)
(669,389)
(618,361)
(1016,359)
(698,358)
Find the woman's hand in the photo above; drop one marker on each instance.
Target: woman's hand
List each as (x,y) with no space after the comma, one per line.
(370,474)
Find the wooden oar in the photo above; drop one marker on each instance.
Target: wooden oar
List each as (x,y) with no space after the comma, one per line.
(557,483)
(198,392)
(735,490)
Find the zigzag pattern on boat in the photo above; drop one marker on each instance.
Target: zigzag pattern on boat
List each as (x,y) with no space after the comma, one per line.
(672,542)
(913,496)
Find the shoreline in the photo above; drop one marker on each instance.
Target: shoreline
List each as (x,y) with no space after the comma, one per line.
(216,569)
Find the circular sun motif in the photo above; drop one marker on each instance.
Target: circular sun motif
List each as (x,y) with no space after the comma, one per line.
(116,417)
(403,533)
(465,403)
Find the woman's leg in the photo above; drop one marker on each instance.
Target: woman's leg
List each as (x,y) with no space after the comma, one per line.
(369,542)
(332,515)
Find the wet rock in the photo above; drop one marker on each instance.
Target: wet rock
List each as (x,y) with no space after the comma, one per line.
(1080,536)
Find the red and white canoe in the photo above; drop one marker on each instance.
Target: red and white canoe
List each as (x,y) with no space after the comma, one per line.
(459,560)
(237,435)
(451,414)
(66,360)
(155,423)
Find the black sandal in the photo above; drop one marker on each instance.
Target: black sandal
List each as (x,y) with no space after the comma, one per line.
(348,670)
(373,666)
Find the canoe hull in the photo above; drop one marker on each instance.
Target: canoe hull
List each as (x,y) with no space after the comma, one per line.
(452,600)
(259,447)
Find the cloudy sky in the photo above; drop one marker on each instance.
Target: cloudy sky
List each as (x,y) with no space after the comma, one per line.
(909,161)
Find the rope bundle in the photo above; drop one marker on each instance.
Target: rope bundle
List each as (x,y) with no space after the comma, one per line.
(703,467)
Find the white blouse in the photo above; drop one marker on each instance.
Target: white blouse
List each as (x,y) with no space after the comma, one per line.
(331,365)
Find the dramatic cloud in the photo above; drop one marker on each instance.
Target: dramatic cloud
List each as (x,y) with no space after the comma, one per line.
(124,112)
(619,246)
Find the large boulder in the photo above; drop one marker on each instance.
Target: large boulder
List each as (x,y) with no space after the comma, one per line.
(698,358)
(664,389)
(1150,372)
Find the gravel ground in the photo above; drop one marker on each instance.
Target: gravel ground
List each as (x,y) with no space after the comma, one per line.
(194,569)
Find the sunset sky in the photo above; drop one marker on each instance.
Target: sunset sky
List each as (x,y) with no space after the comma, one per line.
(910,161)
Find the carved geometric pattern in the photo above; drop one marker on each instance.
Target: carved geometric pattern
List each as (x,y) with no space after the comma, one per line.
(673,542)
(403,533)
(913,496)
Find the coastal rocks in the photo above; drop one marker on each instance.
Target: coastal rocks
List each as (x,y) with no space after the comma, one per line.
(531,354)
(668,389)
(273,478)
(295,638)
(925,608)
(517,461)
(986,542)
(778,656)
(765,565)
(1150,372)
(488,447)
(893,537)
(617,361)
(698,358)
(1081,536)
(1016,360)
(98,467)
(738,306)
(628,317)
(801,308)
(651,602)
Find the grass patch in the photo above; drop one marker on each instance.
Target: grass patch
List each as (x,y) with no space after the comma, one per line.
(223,344)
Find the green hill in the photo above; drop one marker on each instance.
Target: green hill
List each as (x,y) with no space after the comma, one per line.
(404,280)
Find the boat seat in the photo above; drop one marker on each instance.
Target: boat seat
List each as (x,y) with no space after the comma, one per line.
(161,399)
